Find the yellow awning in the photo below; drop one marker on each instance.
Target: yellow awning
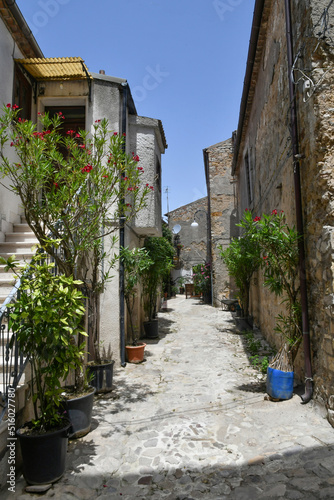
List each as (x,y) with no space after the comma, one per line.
(56,68)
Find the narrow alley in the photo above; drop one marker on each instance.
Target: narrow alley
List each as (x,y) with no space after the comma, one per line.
(192,422)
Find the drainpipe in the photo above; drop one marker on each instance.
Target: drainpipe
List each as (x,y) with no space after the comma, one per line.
(299,215)
(122,239)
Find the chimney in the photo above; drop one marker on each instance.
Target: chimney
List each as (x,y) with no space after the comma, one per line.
(102,72)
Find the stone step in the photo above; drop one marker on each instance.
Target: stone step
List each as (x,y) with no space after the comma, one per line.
(18,247)
(24,236)
(7,280)
(22,255)
(21,228)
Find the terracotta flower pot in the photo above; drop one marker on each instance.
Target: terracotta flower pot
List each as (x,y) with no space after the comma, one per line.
(135,353)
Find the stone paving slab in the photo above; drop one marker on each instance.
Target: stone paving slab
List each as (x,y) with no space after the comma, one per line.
(192,422)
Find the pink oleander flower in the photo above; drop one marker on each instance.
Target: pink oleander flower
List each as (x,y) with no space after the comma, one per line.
(87,168)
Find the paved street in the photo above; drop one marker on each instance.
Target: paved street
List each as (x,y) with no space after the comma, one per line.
(192,422)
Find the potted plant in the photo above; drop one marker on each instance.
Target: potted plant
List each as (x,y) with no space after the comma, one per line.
(181,281)
(100,374)
(202,281)
(161,252)
(103,185)
(280,262)
(136,261)
(242,258)
(45,319)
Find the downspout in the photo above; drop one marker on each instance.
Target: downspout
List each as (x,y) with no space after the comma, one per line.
(208,235)
(122,238)
(299,215)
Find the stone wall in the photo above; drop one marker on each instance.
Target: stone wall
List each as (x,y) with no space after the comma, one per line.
(192,239)
(265,167)
(218,160)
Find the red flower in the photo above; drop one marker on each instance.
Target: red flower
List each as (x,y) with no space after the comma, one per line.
(11,144)
(115,133)
(136,158)
(97,121)
(140,169)
(70,132)
(15,106)
(8,105)
(87,168)
(152,188)
(124,134)
(130,188)
(56,185)
(105,176)
(256,219)
(274,212)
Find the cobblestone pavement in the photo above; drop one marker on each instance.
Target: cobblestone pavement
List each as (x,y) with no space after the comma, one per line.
(192,422)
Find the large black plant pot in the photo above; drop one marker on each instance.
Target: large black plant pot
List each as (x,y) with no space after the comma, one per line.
(44,455)
(102,376)
(151,329)
(79,411)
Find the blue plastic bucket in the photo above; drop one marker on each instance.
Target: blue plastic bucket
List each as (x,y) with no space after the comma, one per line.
(279,384)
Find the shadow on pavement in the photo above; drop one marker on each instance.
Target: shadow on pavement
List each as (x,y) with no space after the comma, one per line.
(296,472)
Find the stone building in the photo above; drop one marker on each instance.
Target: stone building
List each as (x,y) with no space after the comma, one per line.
(220,188)
(191,243)
(283,159)
(37,84)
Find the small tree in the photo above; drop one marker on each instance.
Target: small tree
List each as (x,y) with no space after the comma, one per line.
(242,259)
(202,279)
(161,253)
(136,262)
(280,262)
(73,201)
(45,318)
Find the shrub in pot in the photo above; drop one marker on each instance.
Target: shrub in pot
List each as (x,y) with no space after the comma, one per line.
(161,253)
(100,374)
(45,319)
(280,263)
(202,281)
(136,261)
(86,193)
(242,258)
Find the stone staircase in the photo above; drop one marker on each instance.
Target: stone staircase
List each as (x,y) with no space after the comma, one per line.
(19,243)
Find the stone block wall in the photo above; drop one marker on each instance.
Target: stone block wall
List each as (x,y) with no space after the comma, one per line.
(218,161)
(265,167)
(193,239)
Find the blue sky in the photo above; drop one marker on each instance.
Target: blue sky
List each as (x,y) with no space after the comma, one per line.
(185,61)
